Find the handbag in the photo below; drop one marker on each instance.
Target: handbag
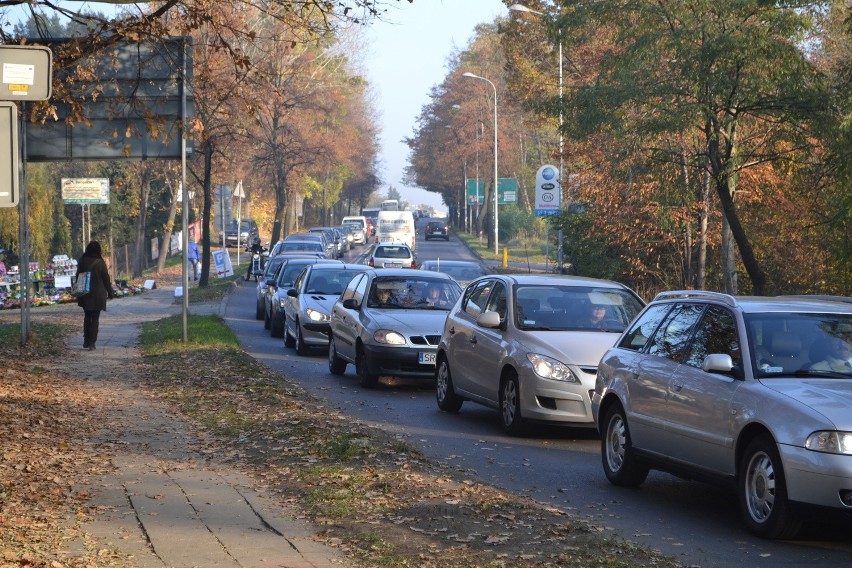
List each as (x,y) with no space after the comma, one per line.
(82,285)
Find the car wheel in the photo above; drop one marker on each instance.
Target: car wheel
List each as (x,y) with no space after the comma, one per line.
(366,379)
(448,400)
(763,491)
(336,365)
(288,339)
(267,320)
(259,311)
(301,348)
(447,238)
(619,461)
(276,327)
(510,405)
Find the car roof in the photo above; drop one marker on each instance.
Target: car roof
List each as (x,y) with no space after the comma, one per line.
(344,266)
(470,263)
(410,273)
(763,304)
(560,280)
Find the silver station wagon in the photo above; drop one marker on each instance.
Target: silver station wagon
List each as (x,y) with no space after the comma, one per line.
(752,392)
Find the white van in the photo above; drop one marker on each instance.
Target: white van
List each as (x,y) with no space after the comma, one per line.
(362,233)
(396,227)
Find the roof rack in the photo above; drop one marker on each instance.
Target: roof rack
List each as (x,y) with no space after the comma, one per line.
(698,295)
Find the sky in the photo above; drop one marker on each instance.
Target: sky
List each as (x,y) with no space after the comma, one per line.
(409,54)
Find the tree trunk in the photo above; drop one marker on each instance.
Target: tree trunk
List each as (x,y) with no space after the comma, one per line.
(703,221)
(207,188)
(140,247)
(168,228)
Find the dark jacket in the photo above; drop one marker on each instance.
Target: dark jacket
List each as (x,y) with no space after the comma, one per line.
(100,286)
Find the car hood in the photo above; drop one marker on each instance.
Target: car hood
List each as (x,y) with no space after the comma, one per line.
(417,322)
(321,302)
(830,397)
(582,348)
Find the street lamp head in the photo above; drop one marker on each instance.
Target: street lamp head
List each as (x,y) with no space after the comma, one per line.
(471,76)
(522,8)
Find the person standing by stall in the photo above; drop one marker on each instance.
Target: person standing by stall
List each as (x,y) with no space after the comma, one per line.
(100,290)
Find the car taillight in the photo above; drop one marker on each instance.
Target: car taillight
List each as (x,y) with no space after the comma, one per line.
(413,264)
(371,263)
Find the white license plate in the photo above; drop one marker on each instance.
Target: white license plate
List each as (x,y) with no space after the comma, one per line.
(426,358)
(392,265)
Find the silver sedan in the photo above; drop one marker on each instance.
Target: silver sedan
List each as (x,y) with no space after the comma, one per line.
(308,304)
(529,345)
(388,322)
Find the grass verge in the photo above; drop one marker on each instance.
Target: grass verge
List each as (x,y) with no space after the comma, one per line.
(371,495)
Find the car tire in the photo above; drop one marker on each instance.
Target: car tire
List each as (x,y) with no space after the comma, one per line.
(289,341)
(366,379)
(259,312)
(448,400)
(267,320)
(276,328)
(301,348)
(510,405)
(336,365)
(762,488)
(620,463)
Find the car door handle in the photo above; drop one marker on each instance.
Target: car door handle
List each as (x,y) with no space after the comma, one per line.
(452,331)
(473,340)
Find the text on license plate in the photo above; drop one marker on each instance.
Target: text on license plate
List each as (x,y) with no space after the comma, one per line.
(426,358)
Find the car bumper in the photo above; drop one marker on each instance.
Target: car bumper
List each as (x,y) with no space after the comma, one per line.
(557,401)
(816,478)
(399,361)
(316,334)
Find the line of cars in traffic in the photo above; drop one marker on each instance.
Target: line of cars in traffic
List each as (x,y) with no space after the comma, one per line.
(752,393)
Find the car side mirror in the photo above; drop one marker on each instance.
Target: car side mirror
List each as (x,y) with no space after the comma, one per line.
(488,319)
(270,282)
(351,304)
(292,293)
(721,363)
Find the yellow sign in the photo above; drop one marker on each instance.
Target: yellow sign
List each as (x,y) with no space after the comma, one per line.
(13,87)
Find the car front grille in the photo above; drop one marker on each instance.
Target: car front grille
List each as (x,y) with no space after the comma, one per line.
(425,339)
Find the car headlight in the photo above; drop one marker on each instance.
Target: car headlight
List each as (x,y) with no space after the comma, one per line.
(389,337)
(549,368)
(282,303)
(830,442)
(316,315)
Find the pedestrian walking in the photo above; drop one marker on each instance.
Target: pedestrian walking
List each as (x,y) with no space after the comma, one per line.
(100,290)
(194,257)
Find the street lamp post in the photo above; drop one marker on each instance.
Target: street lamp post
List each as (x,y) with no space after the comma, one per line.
(522,8)
(496,179)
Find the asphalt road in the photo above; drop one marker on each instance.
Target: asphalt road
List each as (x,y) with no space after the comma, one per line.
(696,523)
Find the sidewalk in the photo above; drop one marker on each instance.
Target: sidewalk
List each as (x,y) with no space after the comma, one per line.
(167,504)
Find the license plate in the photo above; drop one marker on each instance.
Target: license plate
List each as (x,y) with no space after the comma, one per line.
(437,232)
(426,358)
(392,265)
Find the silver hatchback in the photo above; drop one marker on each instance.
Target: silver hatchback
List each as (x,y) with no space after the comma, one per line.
(529,345)
(755,393)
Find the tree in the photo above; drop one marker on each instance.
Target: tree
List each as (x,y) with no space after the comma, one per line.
(732,75)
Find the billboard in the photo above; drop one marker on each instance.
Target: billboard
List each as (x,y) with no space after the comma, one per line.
(548,194)
(85,191)
(133,105)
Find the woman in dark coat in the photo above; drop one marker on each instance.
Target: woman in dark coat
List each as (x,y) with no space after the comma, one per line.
(100,289)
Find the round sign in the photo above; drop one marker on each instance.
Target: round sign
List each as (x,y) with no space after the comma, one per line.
(547,197)
(548,173)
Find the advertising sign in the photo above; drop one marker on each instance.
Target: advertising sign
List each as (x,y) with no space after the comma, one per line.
(548,194)
(85,191)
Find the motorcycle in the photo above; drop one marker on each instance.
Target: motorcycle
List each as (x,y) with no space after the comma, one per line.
(258,263)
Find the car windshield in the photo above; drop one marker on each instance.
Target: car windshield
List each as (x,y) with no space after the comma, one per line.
(329,282)
(800,344)
(392,252)
(300,246)
(574,308)
(413,293)
(463,273)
